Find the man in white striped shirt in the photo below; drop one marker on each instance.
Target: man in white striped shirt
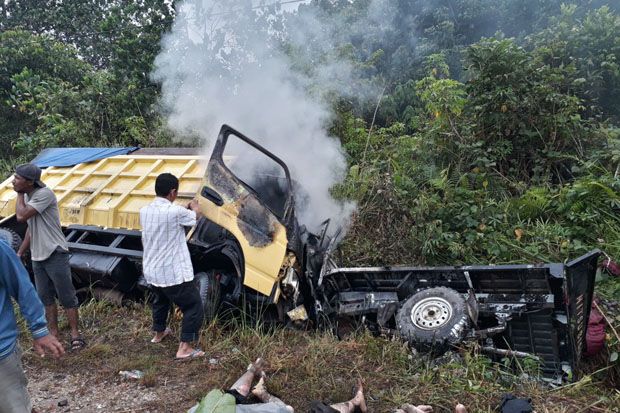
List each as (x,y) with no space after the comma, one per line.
(167,265)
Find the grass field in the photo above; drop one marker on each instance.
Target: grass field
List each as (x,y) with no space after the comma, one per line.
(308,365)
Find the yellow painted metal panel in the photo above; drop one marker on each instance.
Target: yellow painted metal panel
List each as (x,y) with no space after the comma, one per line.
(262,264)
(110,192)
(263,260)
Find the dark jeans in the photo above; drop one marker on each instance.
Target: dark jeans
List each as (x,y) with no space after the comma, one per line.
(187,298)
(52,278)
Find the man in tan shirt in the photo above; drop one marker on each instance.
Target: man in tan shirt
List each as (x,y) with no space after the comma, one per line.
(37,205)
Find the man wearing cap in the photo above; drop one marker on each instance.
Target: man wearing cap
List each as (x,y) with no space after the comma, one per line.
(37,205)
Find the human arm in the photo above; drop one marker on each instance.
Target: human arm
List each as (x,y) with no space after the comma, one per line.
(37,203)
(195,206)
(14,277)
(25,244)
(186,216)
(23,211)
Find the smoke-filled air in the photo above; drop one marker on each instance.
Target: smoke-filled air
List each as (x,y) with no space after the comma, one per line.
(223,63)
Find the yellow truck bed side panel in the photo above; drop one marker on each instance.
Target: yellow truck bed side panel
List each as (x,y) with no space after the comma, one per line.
(110,192)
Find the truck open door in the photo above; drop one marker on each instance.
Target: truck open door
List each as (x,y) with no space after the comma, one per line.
(247,190)
(580,275)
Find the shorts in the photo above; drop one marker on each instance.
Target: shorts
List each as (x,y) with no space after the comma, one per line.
(319,407)
(261,408)
(52,278)
(13,382)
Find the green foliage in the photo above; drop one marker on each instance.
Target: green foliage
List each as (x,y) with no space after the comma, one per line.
(589,47)
(496,138)
(484,149)
(77,74)
(529,126)
(30,66)
(60,113)
(511,166)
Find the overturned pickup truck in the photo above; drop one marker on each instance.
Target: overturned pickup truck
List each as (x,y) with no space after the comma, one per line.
(250,251)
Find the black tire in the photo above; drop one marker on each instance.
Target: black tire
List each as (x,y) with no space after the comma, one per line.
(433,319)
(11,237)
(210,293)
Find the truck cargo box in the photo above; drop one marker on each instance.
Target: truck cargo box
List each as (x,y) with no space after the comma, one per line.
(109,193)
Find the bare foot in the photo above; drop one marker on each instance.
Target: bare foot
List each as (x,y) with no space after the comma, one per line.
(460,409)
(260,392)
(258,367)
(358,400)
(409,408)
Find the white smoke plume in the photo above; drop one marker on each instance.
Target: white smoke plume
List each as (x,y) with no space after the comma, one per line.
(219,65)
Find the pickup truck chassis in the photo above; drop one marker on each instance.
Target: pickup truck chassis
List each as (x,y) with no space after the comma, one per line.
(516,311)
(530,311)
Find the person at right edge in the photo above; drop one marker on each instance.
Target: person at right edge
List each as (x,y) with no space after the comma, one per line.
(37,205)
(167,265)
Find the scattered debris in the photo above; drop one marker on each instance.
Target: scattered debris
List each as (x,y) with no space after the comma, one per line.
(133,374)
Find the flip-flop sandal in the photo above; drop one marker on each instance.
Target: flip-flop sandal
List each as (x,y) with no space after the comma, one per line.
(77,343)
(167,332)
(197,353)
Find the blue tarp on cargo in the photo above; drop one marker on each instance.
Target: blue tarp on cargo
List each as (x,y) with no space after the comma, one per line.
(74,156)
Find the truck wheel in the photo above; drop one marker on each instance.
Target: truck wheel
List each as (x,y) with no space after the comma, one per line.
(11,237)
(209,288)
(433,319)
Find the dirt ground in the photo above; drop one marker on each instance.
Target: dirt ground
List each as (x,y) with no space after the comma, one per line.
(89,380)
(86,391)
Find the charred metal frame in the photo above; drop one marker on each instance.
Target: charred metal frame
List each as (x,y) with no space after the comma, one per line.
(536,310)
(225,132)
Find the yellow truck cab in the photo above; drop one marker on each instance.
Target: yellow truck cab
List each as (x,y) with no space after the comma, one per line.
(247,242)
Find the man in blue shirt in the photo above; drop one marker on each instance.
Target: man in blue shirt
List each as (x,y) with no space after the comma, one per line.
(15,283)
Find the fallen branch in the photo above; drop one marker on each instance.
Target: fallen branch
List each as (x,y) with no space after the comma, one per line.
(374,116)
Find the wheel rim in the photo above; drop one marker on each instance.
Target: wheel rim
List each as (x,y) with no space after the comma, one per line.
(431,313)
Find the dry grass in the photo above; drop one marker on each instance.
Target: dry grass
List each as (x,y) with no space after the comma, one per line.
(309,365)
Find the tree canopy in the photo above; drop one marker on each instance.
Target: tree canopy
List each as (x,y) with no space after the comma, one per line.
(475,130)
